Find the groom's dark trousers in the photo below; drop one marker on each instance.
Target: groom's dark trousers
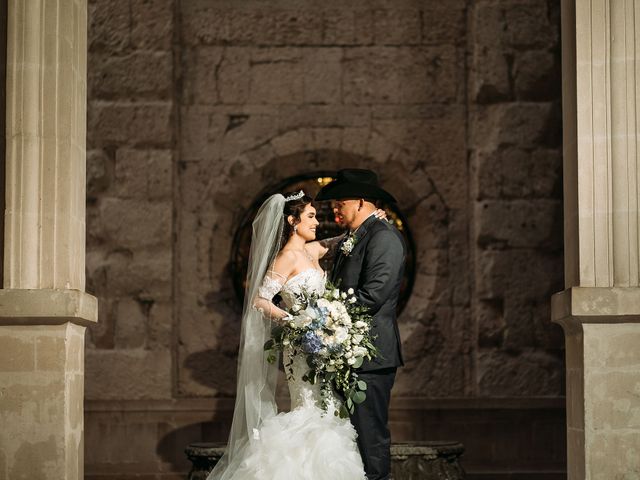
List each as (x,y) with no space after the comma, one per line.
(370,420)
(374,269)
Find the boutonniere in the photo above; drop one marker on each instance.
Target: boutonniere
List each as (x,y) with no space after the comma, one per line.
(348,244)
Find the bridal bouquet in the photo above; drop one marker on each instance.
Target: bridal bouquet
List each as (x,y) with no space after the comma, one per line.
(334,332)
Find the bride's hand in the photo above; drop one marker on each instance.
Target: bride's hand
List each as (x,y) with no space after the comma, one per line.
(381,214)
(283,320)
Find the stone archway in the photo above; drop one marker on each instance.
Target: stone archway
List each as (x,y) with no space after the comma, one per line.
(419,199)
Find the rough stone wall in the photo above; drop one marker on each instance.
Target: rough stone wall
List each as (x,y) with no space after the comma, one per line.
(275,91)
(196,107)
(515,153)
(130,141)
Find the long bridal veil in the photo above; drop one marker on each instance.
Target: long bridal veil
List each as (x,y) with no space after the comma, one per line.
(255,394)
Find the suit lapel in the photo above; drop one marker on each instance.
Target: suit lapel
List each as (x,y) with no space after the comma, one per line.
(364,230)
(338,261)
(360,234)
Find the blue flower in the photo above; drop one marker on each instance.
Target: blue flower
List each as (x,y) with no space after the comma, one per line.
(311,343)
(321,319)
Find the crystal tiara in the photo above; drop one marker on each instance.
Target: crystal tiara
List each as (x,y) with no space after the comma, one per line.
(295,196)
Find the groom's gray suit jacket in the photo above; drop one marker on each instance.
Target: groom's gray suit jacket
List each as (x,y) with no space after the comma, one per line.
(374,269)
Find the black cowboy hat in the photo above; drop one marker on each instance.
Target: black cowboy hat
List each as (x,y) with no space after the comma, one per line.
(355,183)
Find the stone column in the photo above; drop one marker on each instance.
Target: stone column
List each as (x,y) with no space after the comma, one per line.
(600,308)
(43,306)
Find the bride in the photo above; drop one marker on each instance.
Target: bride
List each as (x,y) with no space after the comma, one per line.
(306,443)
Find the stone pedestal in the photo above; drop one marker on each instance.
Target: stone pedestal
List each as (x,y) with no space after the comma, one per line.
(409,461)
(600,308)
(427,461)
(203,456)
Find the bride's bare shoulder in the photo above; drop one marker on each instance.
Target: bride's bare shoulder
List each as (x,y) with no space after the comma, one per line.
(315,249)
(285,263)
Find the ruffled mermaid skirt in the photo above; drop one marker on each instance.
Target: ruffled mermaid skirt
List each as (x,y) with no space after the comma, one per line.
(304,444)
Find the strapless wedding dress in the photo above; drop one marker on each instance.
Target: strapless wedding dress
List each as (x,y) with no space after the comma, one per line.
(306,443)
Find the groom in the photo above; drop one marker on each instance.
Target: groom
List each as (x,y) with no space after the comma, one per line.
(370,259)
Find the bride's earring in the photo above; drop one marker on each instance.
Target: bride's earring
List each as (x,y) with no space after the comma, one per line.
(295,229)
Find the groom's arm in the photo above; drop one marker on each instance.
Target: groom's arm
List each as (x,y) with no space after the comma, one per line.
(381,267)
(325,250)
(328,246)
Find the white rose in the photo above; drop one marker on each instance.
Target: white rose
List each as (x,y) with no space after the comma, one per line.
(300,321)
(336,293)
(359,351)
(310,312)
(352,300)
(356,339)
(351,361)
(305,318)
(324,303)
(350,291)
(341,334)
(348,355)
(360,324)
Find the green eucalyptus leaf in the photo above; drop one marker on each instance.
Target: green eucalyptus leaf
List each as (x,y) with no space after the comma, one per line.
(359,397)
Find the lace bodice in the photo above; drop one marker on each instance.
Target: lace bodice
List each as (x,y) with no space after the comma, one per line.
(309,281)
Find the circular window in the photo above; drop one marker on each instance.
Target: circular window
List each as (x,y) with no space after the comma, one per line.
(311,183)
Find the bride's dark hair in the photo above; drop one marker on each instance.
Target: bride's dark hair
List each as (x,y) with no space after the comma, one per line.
(293,208)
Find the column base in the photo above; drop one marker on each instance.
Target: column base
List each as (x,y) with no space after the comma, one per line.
(602,337)
(596,305)
(47,307)
(42,382)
